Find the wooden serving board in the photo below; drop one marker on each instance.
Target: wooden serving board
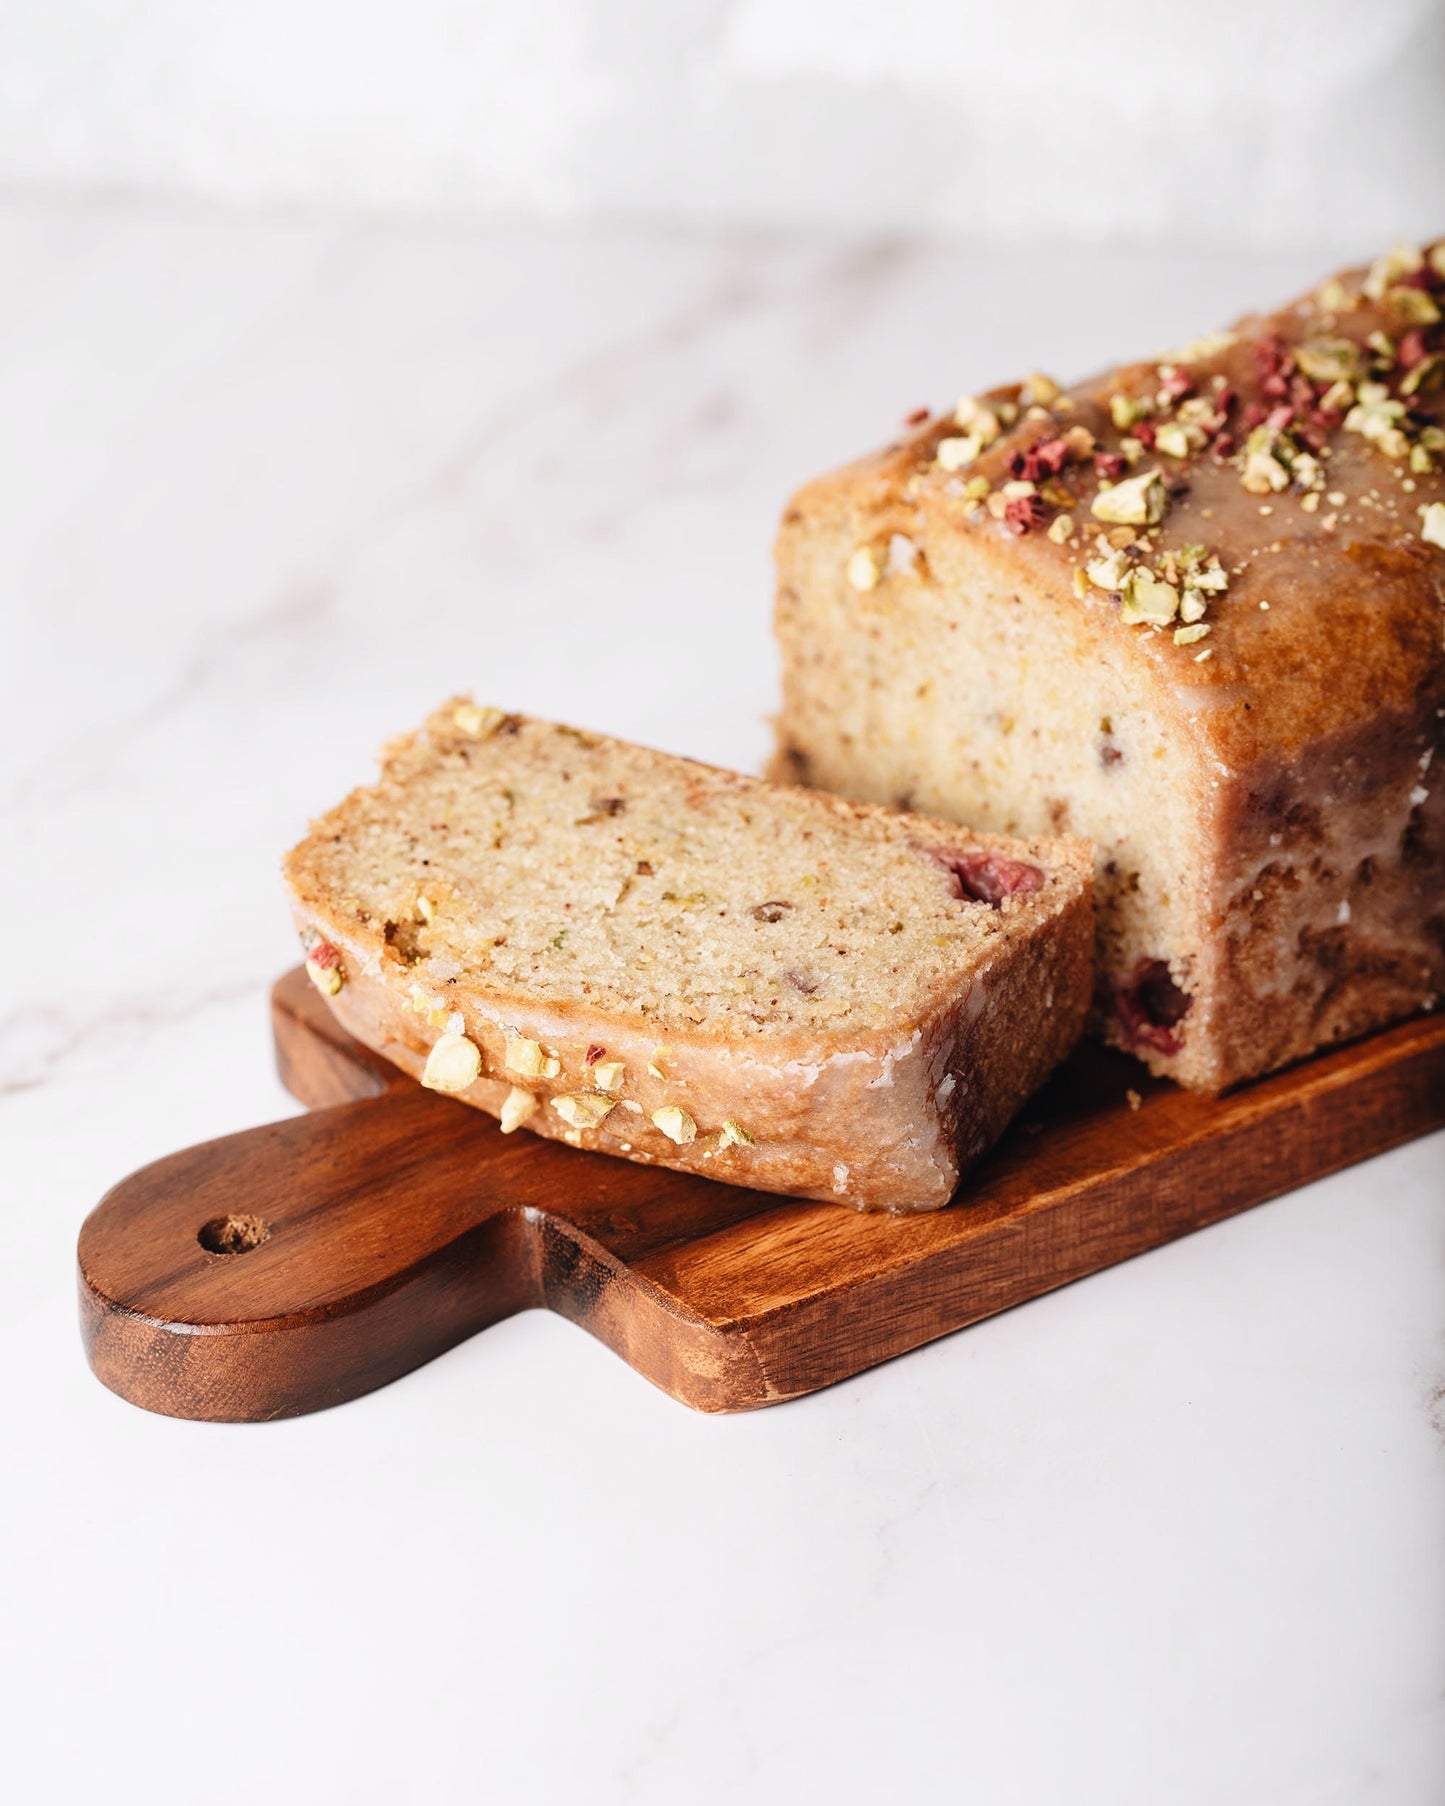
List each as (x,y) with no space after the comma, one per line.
(298,1265)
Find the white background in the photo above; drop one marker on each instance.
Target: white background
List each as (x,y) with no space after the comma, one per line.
(346,362)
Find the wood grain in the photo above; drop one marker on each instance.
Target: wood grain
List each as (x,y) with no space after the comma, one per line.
(390,1223)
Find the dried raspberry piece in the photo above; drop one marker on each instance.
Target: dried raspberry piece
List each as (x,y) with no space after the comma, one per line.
(323,954)
(1150,1007)
(1251,416)
(1224,445)
(1110,466)
(1024,512)
(1144,432)
(595,1051)
(1177,386)
(1411,350)
(1039,462)
(990,877)
(915,417)
(1224,401)
(1278,419)
(1272,356)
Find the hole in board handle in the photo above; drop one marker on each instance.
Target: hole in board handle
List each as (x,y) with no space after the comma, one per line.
(233,1235)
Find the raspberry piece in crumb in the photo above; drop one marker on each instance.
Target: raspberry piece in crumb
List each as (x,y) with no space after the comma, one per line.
(1150,1007)
(1110,466)
(1023,512)
(323,954)
(990,877)
(595,1051)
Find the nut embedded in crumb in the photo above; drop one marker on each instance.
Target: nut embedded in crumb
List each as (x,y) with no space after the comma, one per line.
(453,1064)
(864,568)
(529,1060)
(607,1075)
(675,1124)
(518,1107)
(733,1134)
(478,723)
(656,1065)
(1134,1099)
(582,1109)
(1432,531)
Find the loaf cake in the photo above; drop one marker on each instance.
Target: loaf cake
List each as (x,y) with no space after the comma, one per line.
(1192,610)
(649,957)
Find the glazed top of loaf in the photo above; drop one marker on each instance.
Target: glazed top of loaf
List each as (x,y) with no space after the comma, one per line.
(1258,516)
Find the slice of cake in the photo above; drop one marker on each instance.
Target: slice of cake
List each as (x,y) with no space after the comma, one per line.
(653,958)
(1194,610)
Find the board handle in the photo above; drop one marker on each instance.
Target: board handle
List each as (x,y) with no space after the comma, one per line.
(298,1265)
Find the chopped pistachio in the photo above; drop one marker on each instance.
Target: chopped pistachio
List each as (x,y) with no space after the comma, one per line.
(957,453)
(453,1064)
(1061,528)
(1039,390)
(1338,397)
(1425,375)
(1081,442)
(733,1134)
(675,1124)
(1329,360)
(1186,636)
(977,420)
(976,488)
(1020,486)
(1432,523)
(1265,470)
(582,1109)
(1413,306)
(607,1075)
(1376,417)
(529,1059)
(1208,345)
(468,719)
(1420,460)
(1081,583)
(1136,501)
(1173,440)
(1124,410)
(327,979)
(1310,503)
(517,1106)
(1147,600)
(1333,297)
(656,1065)
(1108,571)
(864,568)
(1402,259)
(1192,605)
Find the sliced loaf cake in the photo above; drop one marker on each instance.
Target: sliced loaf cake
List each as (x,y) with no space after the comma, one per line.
(1195,610)
(657,959)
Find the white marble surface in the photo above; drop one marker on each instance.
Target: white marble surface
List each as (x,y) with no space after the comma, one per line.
(270,489)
